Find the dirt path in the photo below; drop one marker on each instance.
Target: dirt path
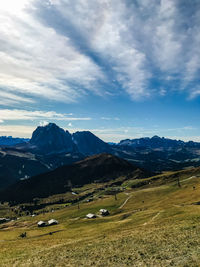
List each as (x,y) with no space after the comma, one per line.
(125,201)
(153,218)
(188,178)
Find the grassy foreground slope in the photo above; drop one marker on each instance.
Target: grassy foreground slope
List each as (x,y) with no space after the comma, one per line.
(153,225)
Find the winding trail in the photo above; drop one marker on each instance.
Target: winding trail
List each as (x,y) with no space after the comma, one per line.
(123,204)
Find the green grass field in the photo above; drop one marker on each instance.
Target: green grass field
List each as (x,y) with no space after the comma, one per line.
(156,224)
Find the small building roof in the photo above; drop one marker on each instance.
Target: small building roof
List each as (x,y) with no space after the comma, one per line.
(90,216)
(52,221)
(40,223)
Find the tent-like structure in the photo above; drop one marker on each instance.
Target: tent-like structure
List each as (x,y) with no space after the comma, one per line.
(52,222)
(41,224)
(90,216)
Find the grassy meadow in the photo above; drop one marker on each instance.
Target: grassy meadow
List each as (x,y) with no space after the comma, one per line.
(154,224)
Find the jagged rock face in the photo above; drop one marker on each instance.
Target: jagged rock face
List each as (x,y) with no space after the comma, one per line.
(52,139)
(89,144)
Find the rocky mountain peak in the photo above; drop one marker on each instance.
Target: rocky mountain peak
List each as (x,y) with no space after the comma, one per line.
(51,138)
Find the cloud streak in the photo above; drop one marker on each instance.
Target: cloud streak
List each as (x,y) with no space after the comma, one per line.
(63,50)
(17,114)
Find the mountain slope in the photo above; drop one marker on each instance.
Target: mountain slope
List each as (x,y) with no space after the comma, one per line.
(159,154)
(157,224)
(89,144)
(101,168)
(15,165)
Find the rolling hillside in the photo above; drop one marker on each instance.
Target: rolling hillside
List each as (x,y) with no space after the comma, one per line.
(155,224)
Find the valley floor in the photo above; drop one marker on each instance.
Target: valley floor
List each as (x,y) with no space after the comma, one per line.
(147,226)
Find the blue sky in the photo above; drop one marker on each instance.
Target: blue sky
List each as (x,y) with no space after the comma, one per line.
(120,68)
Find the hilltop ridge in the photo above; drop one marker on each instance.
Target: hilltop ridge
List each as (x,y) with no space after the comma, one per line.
(98,168)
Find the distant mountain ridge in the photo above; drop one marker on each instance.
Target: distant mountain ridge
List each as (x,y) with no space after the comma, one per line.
(51,147)
(51,139)
(157,142)
(98,168)
(11,141)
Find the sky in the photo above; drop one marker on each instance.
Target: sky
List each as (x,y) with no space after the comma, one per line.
(119,68)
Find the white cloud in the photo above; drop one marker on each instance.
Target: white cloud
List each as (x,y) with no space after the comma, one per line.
(43,123)
(109,118)
(17,114)
(13,7)
(109,31)
(37,61)
(62,50)
(162,92)
(139,40)
(194,93)
(7,97)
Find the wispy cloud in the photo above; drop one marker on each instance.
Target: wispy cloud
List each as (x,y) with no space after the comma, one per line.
(63,50)
(109,118)
(37,61)
(8,98)
(17,114)
(195,92)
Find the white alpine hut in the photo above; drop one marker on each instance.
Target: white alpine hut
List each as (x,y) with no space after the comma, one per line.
(52,222)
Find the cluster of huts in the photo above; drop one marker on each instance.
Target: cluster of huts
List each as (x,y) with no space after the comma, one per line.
(49,223)
(102,212)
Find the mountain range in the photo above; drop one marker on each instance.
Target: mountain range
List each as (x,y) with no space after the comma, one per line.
(11,141)
(99,168)
(51,147)
(158,142)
